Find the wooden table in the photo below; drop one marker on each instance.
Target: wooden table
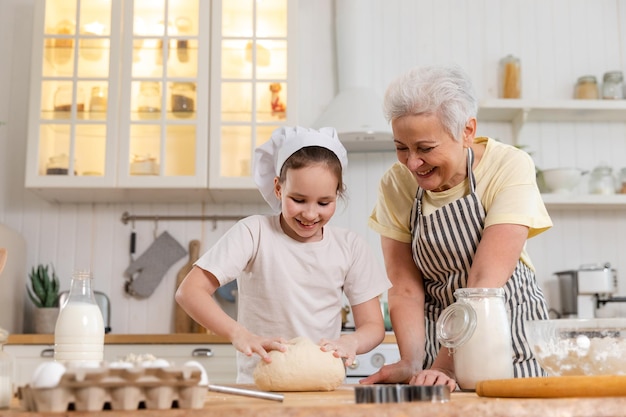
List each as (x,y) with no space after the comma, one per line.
(341,403)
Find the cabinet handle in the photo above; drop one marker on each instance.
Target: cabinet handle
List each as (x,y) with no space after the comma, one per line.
(202,352)
(47,353)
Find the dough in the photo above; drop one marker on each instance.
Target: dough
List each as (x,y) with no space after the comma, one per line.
(302,367)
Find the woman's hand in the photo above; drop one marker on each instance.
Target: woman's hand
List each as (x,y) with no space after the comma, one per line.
(395,373)
(249,343)
(434,377)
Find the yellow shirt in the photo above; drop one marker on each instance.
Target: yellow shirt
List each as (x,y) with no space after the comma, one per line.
(505,183)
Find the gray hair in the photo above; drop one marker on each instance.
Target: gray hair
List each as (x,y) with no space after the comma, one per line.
(443,91)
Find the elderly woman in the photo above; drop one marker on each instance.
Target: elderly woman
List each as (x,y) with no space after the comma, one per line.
(454,212)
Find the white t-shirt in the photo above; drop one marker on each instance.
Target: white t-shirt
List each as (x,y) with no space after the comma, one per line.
(288,288)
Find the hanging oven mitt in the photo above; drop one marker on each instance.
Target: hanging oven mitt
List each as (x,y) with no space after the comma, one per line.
(146,272)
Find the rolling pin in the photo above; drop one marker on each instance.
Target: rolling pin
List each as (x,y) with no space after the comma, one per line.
(555,387)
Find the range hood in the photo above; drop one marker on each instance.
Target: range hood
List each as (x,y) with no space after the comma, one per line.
(356,111)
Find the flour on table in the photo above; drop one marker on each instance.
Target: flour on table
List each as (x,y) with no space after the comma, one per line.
(303,367)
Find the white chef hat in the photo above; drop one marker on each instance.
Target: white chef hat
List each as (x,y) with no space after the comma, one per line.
(285,141)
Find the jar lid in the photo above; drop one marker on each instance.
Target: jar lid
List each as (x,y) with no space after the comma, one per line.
(456,325)
(615,76)
(479,292)
(587,79)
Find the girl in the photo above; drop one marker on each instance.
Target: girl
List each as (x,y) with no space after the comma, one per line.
(291,268)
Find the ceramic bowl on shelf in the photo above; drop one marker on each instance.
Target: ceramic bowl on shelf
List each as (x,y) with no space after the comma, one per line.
(562,180)
(579,346)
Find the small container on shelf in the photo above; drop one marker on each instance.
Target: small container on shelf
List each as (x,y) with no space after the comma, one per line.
(63,100)
(58,165)
(586,88)
(98,102)
(149,101)
(602,180)
(622,181)
(183,99)
(612,87)
(510,77)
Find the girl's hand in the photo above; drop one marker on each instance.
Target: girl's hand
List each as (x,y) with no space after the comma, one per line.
(344,347)
(434,376)
(249,343)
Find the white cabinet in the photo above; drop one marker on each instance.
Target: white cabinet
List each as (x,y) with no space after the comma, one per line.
(119,98)
(253,89)
(156,100)
(219,360)
(519,112)
(26,359)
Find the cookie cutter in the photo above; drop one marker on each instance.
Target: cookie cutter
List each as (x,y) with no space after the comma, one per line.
(398,393)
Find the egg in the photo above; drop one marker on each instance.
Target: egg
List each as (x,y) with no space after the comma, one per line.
(204,377)
(120,365)
(157,363)
(48,375)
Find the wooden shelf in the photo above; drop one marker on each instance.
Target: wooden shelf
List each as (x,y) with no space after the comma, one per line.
(503,110)
(584,201)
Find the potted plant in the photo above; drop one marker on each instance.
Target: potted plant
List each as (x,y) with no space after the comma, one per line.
(44,293)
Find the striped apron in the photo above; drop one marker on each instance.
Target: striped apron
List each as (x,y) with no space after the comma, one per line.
(444,244)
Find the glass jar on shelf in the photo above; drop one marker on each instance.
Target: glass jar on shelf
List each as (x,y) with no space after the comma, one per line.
(149,101)
(622,181)
(183,99)
(510,77)
(63,100)
(612,88)
(98,102)
(602,180)
(586,88)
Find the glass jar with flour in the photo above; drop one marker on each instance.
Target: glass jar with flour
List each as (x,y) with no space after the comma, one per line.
(477,331)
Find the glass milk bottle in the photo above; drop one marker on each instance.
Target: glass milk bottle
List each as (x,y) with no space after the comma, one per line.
(6,373)
(477,331)
(79,331)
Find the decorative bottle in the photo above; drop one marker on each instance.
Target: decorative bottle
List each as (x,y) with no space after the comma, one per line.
(477,331)
(79,330)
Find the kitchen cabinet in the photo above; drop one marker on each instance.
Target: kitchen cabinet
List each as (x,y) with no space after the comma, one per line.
(119,98)
(219,360)
(120,108)
(519,112)
(253,89)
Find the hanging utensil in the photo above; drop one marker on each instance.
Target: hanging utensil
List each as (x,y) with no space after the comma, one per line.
(182,322)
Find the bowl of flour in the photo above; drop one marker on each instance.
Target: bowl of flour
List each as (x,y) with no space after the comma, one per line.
(579,346)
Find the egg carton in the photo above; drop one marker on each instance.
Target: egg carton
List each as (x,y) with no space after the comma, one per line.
(95,389)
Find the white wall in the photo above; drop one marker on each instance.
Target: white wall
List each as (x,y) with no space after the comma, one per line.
(557,41)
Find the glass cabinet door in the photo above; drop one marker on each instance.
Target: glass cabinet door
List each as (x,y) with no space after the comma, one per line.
(165,92)
(249,84)
(70,128)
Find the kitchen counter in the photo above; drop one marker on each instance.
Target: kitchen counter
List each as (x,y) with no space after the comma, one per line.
(174,338)
(341,403)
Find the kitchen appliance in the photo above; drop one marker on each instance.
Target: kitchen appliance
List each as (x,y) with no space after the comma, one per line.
(369,363)
(584,290)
